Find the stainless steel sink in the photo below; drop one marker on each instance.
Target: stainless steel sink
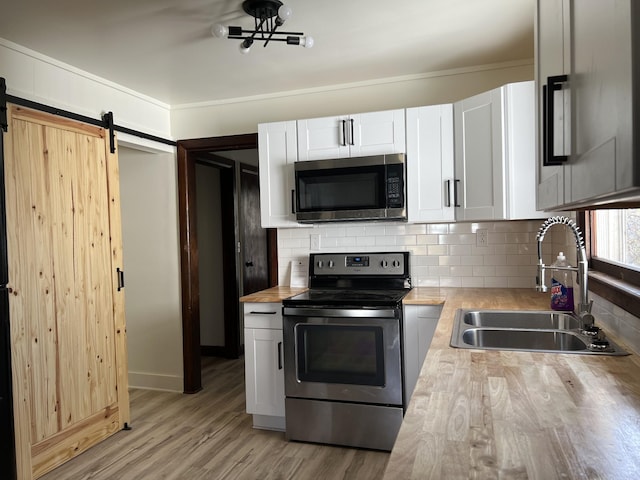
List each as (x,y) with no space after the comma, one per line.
(531,331)
(542,340)
(521,319)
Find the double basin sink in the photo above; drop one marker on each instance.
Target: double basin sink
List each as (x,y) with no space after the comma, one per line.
(531,331)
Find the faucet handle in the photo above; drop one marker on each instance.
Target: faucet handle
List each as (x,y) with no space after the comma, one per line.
(587,320)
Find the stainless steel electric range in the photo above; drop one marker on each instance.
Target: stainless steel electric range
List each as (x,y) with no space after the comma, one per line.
(343,350)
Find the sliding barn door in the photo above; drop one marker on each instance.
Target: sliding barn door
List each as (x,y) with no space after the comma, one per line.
(66,312)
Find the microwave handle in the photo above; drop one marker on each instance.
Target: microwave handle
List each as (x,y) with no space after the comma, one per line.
(293,201)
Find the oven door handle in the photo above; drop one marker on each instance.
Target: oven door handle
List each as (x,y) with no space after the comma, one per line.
(340,312)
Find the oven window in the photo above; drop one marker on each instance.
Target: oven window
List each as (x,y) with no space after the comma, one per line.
(340,189)
(340,354)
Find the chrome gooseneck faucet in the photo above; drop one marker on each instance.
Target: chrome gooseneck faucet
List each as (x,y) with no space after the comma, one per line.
(584,305)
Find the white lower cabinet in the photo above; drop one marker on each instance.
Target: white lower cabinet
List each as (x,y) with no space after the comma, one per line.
(264,364)
(420,323)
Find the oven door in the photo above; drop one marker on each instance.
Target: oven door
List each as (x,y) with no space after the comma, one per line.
(350,355)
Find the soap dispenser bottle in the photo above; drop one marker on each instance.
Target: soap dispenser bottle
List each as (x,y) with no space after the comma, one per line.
(561,286)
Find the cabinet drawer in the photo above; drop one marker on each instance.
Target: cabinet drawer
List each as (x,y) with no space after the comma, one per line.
(263,315)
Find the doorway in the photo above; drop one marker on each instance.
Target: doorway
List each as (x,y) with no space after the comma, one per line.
(209,151)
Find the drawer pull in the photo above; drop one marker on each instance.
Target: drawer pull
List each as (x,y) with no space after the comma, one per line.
(262,313)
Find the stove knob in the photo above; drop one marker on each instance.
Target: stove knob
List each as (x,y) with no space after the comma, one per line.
(396,263)
(331,264)
(384,264)
(320,264)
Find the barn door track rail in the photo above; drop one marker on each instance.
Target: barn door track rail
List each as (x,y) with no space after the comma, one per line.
(106,122)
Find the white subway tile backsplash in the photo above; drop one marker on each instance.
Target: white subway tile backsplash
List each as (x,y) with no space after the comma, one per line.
(473,282)
(437,249)
(448,260)
(460,250)
(427,239)
(441,254)
(438,228)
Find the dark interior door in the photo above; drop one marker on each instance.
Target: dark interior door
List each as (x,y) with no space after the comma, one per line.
(255,254)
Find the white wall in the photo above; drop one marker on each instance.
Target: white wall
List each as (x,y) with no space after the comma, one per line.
(243,115)
(149,200)
(209,222)
(42,79)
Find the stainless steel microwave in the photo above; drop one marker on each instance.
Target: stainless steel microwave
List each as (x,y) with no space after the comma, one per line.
(360,188)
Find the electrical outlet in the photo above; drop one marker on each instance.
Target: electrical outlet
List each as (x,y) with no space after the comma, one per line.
(482,237)
(315,241)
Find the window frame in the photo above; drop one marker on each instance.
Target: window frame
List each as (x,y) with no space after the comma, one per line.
(612,281)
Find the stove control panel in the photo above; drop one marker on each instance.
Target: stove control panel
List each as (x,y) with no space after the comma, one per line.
(359,264)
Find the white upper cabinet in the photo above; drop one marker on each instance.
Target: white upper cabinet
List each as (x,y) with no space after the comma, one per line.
(596,54)
(479,157)
(277,151)
(553,61)
(430,174)
(495,155)
(357,135)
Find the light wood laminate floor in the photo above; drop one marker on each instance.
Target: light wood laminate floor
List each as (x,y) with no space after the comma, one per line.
(209,436)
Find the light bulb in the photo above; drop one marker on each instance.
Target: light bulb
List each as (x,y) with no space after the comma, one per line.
(284,13)
(307,42)
(245,46)
(219,31)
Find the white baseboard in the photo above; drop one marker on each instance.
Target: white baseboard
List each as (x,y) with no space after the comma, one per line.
(154,381)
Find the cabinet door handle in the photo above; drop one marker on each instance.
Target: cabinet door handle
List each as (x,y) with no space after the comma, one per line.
(554,84)
(447,193)
(351,139)
(455,193)
(343,142)
(279,355)
(256,312)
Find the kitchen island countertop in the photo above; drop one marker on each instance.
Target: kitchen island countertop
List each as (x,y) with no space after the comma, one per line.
(505,414)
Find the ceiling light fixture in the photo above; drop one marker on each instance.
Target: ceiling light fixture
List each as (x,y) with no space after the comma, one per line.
(268,16)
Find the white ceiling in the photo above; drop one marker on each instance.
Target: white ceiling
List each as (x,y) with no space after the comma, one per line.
(164,48)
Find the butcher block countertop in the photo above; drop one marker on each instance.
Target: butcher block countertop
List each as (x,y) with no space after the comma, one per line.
(271,295)
(512,415)
(502,414)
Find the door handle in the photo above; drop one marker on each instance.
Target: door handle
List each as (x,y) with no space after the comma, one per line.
(248,264)
(279,355)
(549,158)
(120,274)
(447,193)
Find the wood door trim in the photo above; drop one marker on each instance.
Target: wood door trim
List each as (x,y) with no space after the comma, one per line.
(189,245)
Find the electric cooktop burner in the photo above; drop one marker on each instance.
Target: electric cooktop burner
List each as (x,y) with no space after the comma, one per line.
(355,280)
(348,297)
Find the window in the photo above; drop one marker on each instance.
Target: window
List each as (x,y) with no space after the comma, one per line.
(616,236)
(613,238)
